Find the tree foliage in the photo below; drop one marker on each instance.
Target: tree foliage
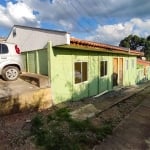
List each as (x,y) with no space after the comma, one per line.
(135,42)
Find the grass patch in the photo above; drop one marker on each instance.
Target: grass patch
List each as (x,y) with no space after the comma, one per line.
(59,131)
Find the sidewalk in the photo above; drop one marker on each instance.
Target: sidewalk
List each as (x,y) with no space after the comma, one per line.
(96,105)
(134,131)
(117,95)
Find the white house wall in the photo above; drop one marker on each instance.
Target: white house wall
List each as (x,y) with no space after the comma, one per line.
(28,39)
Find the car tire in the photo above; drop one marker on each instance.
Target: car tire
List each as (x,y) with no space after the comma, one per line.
(10,73)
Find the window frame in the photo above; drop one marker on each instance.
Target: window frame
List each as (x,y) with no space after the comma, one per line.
(81,71)
(103,72)
(127,64)
(133,63)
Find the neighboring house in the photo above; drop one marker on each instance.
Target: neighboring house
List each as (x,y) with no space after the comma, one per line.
(145,65)
(30,38)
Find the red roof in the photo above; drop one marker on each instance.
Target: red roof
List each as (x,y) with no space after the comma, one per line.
(95,45)
(143,62)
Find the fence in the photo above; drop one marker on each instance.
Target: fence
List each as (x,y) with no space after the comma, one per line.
(36,61)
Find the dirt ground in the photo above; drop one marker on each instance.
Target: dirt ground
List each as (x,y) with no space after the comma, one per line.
(15,128)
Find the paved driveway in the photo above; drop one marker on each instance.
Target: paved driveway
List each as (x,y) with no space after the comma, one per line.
(8,88)
(17,96)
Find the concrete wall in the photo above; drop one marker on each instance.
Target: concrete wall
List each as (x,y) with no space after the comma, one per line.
(38,99)
(31,39)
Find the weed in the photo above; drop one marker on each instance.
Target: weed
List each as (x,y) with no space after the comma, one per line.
(105,130)
(37,122)
(59,131)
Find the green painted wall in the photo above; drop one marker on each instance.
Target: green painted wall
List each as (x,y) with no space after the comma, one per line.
(129,72)
(62,73)
(36,61)
(58,64)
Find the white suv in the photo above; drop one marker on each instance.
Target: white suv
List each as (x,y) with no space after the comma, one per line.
(11,64)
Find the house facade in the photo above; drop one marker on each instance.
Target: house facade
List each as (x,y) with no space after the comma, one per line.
(143,69)
(84,69)
(31,38)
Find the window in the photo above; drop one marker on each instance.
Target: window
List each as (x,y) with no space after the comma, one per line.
(80,72)
(132,63)
(3,49)
(103,68)
(127,64)
(14,32)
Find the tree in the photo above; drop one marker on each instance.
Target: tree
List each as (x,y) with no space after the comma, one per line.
(135,42)
(147,50)
(148,38)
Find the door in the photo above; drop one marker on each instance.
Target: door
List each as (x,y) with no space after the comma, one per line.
(117,76)
(120,71)
(115,72)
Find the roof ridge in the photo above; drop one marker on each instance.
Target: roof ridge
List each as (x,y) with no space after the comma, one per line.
(101,45)
(38,28)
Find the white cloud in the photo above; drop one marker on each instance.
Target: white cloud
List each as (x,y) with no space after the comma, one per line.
(65,24)
(17,13)
(113,34)
(4,21)
(81,16)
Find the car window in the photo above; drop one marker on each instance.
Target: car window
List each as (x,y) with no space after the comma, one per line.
(3,49)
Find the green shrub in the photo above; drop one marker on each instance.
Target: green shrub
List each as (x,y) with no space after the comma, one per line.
(58,131)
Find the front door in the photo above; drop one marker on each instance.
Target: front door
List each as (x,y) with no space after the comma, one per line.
(117,76)
(120,71)
(115,72)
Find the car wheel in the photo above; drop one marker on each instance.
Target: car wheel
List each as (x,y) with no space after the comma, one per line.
(10,73)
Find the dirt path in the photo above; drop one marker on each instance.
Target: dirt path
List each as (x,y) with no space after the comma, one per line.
(133,132)
(15,129)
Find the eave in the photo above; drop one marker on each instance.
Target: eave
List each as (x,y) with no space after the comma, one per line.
(99,49)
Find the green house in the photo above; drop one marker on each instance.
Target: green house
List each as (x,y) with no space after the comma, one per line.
(84,69)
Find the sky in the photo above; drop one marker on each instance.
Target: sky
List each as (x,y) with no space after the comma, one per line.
(105,21)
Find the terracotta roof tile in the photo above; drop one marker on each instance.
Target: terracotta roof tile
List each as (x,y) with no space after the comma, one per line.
(75,41)
(143,62)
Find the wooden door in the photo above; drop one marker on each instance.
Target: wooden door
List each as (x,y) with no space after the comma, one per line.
(115,72)
(120,71)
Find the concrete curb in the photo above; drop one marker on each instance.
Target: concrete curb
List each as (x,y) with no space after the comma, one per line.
(122,99)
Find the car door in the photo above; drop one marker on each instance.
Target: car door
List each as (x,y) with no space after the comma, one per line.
(3,53)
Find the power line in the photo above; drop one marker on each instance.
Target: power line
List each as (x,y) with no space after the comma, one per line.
(73,18)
